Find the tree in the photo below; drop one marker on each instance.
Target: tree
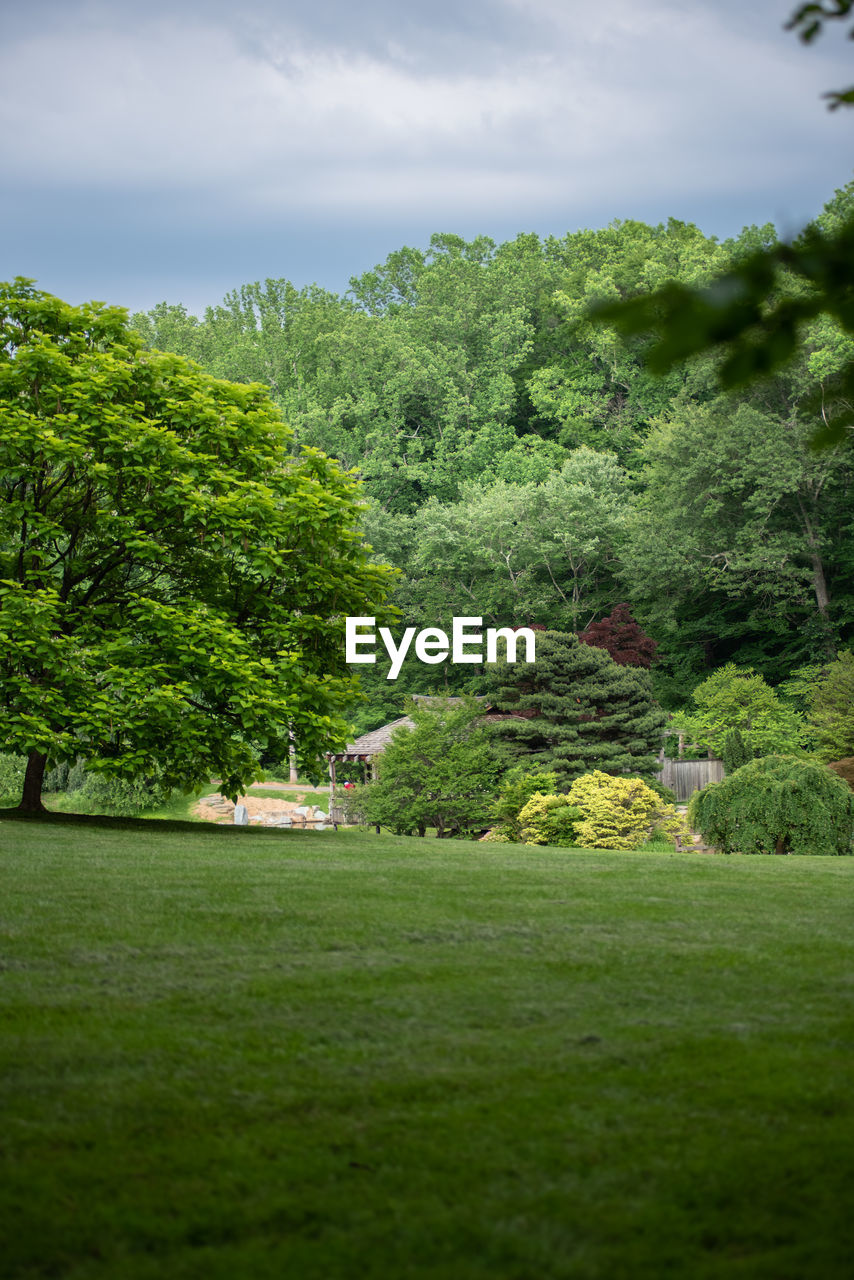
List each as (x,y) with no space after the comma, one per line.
(575,709)
(735,752)
(173,580)
(621,637)
(738,698)
(743,531)
(441,772)
(832,709)
(780,804)
(756,313)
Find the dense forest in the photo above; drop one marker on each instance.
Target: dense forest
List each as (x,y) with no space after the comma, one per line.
(519,462)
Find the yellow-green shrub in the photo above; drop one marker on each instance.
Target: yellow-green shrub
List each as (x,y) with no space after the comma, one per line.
(548,820)
(618,813)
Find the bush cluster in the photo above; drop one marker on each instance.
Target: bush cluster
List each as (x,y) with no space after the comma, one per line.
(600,811)
(92,792)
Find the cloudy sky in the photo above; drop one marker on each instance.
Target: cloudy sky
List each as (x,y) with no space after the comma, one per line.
(176,149)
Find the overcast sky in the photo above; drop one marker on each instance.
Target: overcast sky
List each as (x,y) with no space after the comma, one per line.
(174,150)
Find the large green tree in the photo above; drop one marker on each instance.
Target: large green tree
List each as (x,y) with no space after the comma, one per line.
(742,533)
(440,771)
(173,579)
(832,708)
(738,698)
(574,709)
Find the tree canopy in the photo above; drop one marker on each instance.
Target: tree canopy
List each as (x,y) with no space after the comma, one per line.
(440,772)
(173,575)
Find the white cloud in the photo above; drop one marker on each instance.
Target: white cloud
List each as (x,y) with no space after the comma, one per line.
(594,106)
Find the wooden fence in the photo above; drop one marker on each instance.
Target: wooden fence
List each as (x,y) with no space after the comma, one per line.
(684,777)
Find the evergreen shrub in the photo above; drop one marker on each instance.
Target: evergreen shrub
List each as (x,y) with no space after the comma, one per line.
(778,804)
(735,752)
(549,820)
(619,813)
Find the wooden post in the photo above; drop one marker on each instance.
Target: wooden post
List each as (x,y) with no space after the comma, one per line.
(292,759)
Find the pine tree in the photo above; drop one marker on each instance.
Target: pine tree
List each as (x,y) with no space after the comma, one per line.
(575,709)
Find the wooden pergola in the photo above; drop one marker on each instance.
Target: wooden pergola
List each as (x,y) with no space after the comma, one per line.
(365,751)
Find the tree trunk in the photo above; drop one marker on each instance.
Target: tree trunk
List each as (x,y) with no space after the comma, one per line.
(819,582)
(780,846)
(31,799)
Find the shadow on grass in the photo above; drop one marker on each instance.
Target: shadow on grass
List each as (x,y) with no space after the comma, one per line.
(50,817)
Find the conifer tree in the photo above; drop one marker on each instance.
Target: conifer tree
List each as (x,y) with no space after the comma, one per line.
(736,752)
(575,709)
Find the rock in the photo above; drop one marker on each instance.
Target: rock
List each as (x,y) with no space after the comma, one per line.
(241,815)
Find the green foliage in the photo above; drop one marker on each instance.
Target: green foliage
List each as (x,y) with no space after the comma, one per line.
(808,20)
(172,579)
(759,312)
(517,787)
(441,772)
(119,797)
(524,464)
(742,532)
(575,709)
(549,819)
(832,709)
(779,804)
(735,751)
(738,698)
(12,770)
(618,813)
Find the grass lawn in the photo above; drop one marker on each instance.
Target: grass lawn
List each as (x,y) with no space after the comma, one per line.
(234,1053)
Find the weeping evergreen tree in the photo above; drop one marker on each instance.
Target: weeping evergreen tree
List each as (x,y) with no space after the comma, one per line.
(575,710)
(778,804)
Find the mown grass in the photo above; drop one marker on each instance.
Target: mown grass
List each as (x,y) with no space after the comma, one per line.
(231,1052)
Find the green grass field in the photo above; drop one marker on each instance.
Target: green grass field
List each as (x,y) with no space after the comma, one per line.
(229,1053)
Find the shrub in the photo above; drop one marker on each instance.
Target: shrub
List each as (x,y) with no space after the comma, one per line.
(441,772)
(779,804)
(12,770)
(119,797)
(619,813)
(549,820)
(517,788)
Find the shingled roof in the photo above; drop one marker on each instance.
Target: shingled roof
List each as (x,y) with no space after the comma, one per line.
(376,741)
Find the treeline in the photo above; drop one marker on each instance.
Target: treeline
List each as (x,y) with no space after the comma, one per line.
(522,465)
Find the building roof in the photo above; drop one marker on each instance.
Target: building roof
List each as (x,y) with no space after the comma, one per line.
(376,741)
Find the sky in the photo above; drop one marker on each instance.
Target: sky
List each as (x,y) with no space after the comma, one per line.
(178,149)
